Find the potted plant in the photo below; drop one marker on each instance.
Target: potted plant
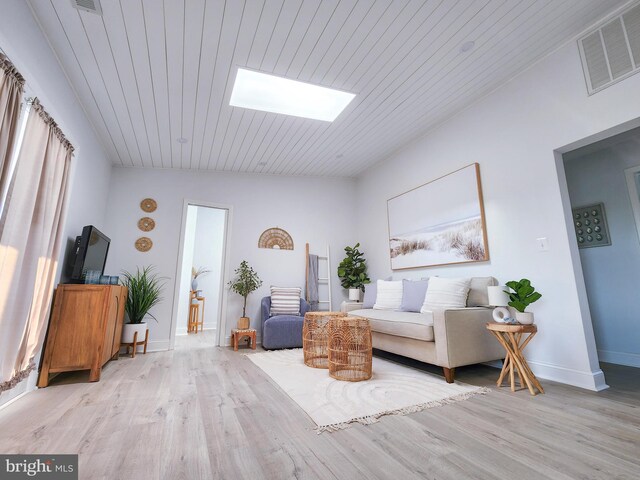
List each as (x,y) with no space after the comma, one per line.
(352,272)
(197,273)
(144,291)
(245,282)
(522,295)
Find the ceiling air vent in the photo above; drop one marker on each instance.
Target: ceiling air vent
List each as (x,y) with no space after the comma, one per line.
(612,52)
(92,6)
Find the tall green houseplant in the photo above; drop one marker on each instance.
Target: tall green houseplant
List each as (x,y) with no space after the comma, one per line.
(145,291)
(352,271)
(245,282)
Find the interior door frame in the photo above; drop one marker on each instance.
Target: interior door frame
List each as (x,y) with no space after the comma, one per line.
(224,271)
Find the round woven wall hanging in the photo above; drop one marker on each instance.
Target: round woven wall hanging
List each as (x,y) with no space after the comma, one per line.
(144,244)
(148,205)
(146,224)
(275,238)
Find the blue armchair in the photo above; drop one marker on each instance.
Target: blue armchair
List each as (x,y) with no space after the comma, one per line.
(282,331)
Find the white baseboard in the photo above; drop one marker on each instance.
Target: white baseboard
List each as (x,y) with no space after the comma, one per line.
(152,346)
(588,380)
(619,358)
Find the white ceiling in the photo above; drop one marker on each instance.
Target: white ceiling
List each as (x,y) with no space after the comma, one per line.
(151,71)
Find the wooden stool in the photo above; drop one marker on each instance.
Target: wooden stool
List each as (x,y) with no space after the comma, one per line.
(237,334)
(511,338)
(135,343)
(196,317)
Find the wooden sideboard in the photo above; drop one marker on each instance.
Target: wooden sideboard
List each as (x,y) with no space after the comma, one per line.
(85,329)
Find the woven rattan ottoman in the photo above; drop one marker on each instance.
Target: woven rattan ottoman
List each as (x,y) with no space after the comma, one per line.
(315,335)
(350,348)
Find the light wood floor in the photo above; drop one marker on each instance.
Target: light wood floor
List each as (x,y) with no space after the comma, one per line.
(202,412)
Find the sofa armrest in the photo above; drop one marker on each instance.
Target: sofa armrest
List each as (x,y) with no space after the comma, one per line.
(304,307)
(462,337)
(265,309)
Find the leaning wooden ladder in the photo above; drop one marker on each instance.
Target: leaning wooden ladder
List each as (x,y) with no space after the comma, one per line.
(324,305)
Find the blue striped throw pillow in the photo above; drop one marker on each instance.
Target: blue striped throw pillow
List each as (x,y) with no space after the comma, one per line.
(285,301)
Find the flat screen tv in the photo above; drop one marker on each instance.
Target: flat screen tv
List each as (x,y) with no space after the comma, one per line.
(89,253)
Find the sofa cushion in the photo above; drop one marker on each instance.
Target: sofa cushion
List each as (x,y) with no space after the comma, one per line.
(478,296)
(282,331)
(443,293)
(285,301)
(370,293)
(400,324)
(389,295)
(413,293)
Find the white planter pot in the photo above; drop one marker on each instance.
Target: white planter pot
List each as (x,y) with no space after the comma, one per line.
(129,329)
(354,294)
(525,318)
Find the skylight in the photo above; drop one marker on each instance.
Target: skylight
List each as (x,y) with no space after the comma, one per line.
(259,91)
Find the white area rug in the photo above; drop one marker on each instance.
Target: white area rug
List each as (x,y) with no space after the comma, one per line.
(334,405)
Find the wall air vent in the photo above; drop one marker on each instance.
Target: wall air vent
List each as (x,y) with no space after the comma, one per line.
(612,52)
(92,6)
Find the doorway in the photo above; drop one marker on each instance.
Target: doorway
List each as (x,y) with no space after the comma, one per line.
(200,275)
(603,189)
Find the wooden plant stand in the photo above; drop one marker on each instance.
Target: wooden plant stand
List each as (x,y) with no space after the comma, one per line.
(135,343)
(196,316)
(237,334)
(512,338)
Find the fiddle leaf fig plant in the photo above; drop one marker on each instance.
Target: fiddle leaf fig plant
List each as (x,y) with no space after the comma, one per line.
(522,295)
(352,271)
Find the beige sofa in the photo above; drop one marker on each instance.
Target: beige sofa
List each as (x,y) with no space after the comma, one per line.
(446,338)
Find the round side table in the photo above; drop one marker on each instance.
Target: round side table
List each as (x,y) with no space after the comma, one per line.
(514,338)
(315,337)
(350,349)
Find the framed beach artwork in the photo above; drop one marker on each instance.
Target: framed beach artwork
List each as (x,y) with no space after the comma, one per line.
(439,223)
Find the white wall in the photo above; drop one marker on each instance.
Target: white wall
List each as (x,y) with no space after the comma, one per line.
(512,134)
(185,270)
(208,253)
(611,273)
(25,45)
(314,210)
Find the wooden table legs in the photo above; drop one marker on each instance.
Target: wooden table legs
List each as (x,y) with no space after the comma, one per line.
(137,342)
(515,363)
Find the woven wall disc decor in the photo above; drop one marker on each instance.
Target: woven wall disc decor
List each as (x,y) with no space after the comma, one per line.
(144,244)
(146,224)
(148,205)
(275,238)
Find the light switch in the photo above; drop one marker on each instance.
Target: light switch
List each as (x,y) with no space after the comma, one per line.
(543,244)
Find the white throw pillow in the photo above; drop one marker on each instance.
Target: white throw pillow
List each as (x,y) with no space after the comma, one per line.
(389,295)
(443,293)
(285,301)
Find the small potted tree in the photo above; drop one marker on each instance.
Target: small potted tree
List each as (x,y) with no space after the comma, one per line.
(144,292)
(522,295)
(245,282)
(352,272)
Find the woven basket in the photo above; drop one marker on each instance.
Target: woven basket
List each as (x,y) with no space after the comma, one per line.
(350,348)
(315,333)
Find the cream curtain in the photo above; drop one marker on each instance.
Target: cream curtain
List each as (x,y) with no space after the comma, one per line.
(11,88)
(30,243)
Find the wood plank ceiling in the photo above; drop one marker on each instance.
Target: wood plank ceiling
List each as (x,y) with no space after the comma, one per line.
(150,72)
